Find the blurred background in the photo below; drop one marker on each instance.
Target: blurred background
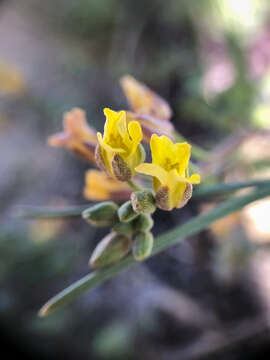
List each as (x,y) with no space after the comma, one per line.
(206,298)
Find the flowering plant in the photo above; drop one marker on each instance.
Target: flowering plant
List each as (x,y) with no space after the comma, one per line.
(121,187)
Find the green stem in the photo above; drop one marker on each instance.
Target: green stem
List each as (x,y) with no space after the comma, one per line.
(161,243)
(134,186)
(196,151)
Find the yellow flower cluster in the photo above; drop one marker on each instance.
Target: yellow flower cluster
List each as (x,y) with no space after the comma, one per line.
(118,152)
(169,167)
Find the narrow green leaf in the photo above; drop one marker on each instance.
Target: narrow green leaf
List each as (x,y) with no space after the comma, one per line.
(25,211)
(162,242)
(207,191)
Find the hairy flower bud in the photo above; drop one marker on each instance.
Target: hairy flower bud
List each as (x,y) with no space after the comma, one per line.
(124,228)
(142,245)
(109,250)
(102,214)
(143,202)
(126,212)
(143,222)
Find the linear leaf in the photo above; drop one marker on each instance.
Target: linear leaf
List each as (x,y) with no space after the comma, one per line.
(26,211)
(205,191)
(162,242)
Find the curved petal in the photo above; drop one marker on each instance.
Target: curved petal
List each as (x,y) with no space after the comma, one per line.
(122,124)
(153,170)
(161,149)
(177,186)
(182,154)
(194,179)
(107,147)
(143,100)
(135,132)
(112,118)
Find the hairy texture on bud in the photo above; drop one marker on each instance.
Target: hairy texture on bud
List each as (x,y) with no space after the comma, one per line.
(162,198)
(102,214)
(187,195)
(126,212)
(142,245)
(143,202)
(143,222)
(110,250)
(124,228)
(99,159)
(120,169)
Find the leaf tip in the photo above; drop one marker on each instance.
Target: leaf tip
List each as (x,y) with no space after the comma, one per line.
(44,311)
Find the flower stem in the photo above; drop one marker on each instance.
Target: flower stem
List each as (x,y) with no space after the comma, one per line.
(134,186)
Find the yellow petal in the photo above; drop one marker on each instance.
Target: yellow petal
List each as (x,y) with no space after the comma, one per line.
(142,100)
(182,154)
(98,186)
(135,132)
(177,186)
(75,124)
(195,179)
(161,149)
(107,147)
(122,124)
(153,170)
(112,118)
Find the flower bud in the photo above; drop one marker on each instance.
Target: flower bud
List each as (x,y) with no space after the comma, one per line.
(143,222)
(109,250)
(143,202)
(102,214)
(124,228)
(126,212)
(142,245)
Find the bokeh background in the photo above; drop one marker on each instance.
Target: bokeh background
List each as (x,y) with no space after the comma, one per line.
(206,298)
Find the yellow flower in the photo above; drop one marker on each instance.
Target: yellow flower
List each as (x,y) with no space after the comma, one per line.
(151,110)
(77,136)
(144,101)
(99,187)
(169,170)
(119,150)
